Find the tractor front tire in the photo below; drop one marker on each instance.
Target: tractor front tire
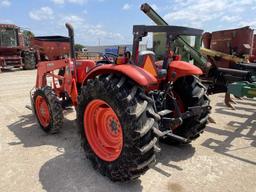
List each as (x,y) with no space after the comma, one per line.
(48,110)
(29,60)
(121,108)
(190,93)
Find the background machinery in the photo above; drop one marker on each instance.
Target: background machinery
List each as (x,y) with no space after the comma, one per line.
(215,77)
(22,49)
(12,48)
(51,47)
(124,106)
(233,48)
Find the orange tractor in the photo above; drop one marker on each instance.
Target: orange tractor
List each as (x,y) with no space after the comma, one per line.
(124,106)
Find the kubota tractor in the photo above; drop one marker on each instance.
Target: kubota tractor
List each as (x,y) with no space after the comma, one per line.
(125,106)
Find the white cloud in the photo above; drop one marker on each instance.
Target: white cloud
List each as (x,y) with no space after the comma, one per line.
(197,12)
(99,32)
(58,1)
(252,23)
(73,19)
(5,3)
(86,32)
(126,6)
(77,1)
(183,2)
(230,18)
(44,13)
(5,21)
(187,11)
(154,6)
(245,2)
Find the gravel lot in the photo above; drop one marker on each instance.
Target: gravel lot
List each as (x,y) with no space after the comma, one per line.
(222,159)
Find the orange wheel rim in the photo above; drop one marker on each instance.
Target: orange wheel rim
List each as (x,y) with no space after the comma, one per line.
(42,111)
(103,130)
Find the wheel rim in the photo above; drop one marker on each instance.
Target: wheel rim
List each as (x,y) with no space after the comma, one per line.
(42,111)
(103,130)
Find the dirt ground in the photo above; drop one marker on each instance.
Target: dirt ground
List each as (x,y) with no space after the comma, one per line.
(222,159)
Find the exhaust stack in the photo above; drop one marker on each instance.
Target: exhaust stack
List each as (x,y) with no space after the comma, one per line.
(72,41)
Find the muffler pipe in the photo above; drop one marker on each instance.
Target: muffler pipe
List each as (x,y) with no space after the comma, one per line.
(72,46)
(71,39)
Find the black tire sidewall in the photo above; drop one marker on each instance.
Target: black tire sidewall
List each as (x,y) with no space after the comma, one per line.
(54,107)
(29,60)
(191,127)
(41,93)
(128,123)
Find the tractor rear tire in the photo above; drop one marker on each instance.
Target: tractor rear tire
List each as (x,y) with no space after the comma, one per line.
(48,110)
(191,93)
(137,119)
(29,60)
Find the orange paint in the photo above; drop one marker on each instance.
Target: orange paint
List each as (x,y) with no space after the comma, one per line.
(149,66)
(103,130)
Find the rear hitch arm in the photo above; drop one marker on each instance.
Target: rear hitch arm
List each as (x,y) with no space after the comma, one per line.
(170,134)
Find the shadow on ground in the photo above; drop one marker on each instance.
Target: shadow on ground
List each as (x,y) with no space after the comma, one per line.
(171,154)
(10,70)
(71,171)
(236,130)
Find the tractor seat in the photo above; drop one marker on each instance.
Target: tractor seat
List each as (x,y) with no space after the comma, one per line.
(146,60)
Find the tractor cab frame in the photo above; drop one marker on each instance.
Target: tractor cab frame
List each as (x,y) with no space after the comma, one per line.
(171,67)
(171,32)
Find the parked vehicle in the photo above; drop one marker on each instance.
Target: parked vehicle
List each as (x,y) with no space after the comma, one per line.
(19,49)
(124,105)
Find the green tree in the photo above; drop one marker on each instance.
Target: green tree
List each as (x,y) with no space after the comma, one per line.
(27,37)
(28,33)
(79,47)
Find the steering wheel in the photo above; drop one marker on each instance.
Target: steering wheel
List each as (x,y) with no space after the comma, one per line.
(108,58)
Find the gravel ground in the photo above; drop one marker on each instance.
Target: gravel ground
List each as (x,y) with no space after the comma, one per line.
(222,159)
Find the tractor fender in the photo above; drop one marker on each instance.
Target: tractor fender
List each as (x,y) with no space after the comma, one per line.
(137,74)
(181,69)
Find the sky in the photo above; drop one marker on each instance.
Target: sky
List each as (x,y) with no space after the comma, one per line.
(108,22)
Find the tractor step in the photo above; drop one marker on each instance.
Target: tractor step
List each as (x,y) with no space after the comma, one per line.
(170,134)
(172,122)
(193,111)
(178,138)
